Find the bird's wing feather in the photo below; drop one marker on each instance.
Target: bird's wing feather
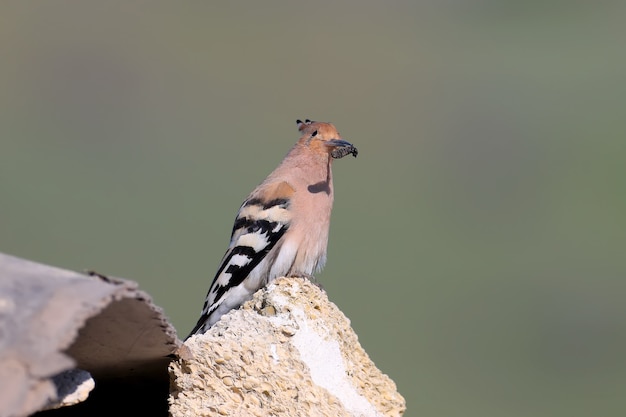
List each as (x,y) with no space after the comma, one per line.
(260,223)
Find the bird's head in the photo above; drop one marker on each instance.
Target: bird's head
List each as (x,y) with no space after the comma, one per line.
(323,138)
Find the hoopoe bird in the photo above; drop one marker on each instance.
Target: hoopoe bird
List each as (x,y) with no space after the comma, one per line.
(281,228)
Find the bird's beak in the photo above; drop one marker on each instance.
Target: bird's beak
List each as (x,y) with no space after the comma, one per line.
(341,148)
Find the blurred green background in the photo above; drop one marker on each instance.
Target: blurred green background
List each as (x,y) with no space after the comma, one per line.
(477,243)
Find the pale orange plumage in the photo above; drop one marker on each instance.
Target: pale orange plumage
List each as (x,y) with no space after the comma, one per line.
(281,228)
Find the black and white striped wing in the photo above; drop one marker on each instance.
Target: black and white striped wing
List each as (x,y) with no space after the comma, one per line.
(258,227)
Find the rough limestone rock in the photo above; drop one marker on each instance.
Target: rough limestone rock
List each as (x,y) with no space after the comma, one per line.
(287,352)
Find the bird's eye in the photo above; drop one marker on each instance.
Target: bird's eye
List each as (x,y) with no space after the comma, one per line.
(314,134)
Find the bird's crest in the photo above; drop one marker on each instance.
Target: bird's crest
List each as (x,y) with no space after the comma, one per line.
(302,125)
